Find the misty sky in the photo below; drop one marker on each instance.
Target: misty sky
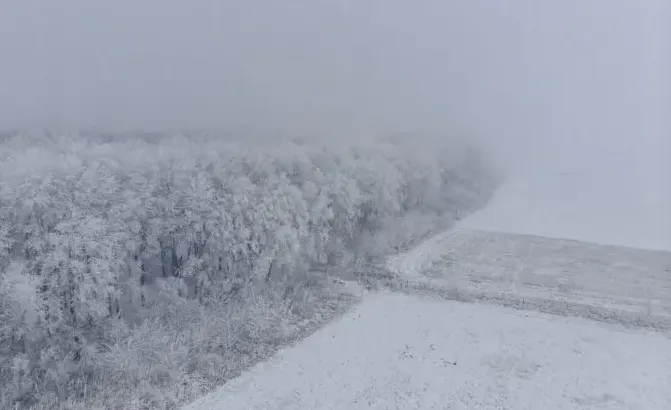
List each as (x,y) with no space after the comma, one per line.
(525,73)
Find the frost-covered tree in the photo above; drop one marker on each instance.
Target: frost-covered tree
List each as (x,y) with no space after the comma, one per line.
(107,240)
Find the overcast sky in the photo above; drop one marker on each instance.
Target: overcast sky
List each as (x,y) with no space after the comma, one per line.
(526,73)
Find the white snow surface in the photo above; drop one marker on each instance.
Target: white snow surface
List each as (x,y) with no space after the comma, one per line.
(606,206)
(403,352)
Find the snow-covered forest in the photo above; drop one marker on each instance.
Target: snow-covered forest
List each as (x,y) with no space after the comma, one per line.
(142,270)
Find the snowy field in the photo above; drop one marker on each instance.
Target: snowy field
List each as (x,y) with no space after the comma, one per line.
(566,277)
(403,352)
(608,206)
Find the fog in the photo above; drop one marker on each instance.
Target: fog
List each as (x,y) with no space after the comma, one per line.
(537,80)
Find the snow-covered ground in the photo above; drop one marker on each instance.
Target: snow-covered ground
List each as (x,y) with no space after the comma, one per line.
(404,352)
(565,277)
(607,205)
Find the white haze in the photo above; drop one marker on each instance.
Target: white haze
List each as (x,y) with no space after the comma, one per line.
(538,80)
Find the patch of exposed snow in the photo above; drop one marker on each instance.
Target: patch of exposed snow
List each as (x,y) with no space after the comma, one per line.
(604,207)
(402,352)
